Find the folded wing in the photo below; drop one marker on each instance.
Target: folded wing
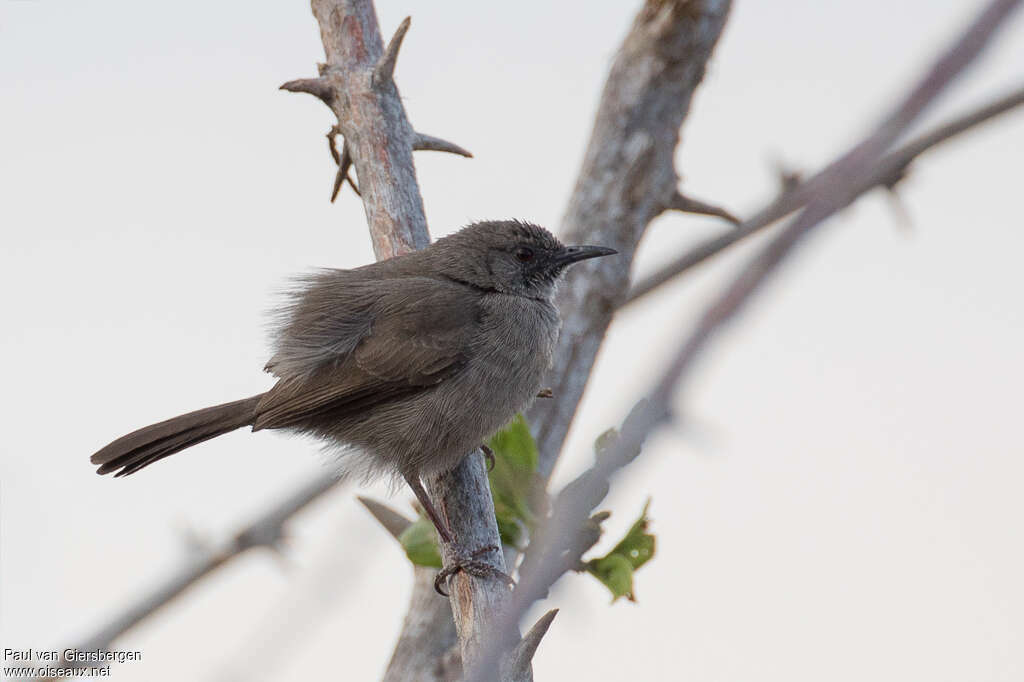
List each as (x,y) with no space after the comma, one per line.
(419,332)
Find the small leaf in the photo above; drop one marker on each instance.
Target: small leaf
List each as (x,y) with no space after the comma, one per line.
(616,568)
(419,541)
(616,573)
(638,545)
(514,479)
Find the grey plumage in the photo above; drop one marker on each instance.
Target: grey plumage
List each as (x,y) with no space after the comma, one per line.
(410,362)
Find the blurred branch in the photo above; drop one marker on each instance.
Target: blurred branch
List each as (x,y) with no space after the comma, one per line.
(626,180)
(357,83)
(890,171)
(428,646)
(266,531)
(838,185)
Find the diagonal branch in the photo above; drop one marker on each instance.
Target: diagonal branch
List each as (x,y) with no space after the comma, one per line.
(891,170)
(267,531)
(841,182)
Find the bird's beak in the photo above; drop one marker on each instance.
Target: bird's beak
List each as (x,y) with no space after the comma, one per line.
(574,254)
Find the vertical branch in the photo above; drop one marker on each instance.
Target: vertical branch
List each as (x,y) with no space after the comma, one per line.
(357,83)
(627,179)
(373,121)
(424,648)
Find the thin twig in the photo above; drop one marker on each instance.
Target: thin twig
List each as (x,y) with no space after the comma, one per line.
(266,530)
(894,164)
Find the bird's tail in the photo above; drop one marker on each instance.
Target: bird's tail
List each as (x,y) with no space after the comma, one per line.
(143,447)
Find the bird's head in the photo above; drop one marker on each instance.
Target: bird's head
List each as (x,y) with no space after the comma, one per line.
(510,256)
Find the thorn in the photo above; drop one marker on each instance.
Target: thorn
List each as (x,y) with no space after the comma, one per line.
(344,164)
(521,657)
(385,69)
(899,209)
(332,146)
(423,142)
(545,393)
(339,178)
(788,177)
(196,544)
(393,522)
(680,202)
(279,549)
(891,185)
(314,86)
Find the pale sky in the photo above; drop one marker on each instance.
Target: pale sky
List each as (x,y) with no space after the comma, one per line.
(843,503)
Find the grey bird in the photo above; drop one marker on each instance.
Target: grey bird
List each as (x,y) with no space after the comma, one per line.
(406,365)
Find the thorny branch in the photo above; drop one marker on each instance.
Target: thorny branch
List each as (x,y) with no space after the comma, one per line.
(852,174)
(627,179)
(573,543)
(797,194)
(357,83)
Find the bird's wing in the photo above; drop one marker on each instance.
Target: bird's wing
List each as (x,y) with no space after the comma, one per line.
(421,333)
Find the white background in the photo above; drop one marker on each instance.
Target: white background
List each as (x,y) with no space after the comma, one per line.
(844,505)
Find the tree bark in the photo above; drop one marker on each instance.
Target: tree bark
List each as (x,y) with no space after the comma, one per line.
(357,83)
(627,179)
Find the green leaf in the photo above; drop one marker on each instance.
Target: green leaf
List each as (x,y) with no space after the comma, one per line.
(419,541)
(616,568)
(514,480)
(615,571)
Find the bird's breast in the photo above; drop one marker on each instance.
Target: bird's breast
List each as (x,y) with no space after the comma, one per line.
(512,353)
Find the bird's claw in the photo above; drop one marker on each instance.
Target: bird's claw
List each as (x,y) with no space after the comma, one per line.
(488,457)
(472,565)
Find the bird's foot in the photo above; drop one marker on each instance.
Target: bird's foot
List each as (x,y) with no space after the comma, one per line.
(473,565)
(488,456)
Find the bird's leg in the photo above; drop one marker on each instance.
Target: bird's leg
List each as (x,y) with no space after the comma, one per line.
(469,562)
(488,457)
(428,506)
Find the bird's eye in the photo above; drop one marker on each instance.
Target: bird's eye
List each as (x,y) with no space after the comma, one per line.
(524,255)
